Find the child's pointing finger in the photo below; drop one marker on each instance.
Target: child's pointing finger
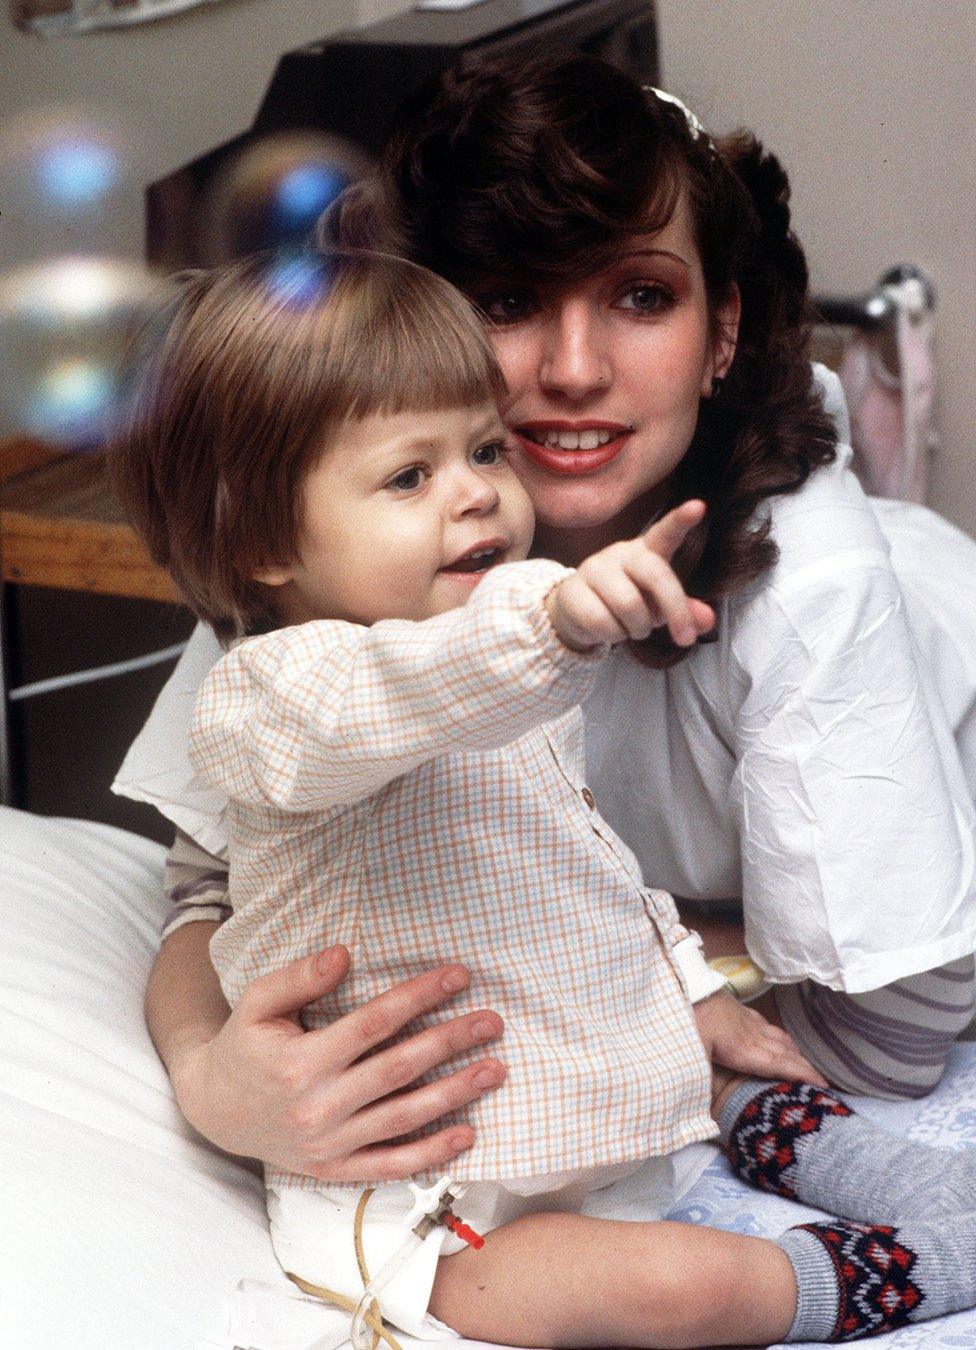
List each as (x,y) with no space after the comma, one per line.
(666,535)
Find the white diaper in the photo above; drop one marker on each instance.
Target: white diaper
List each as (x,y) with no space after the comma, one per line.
(312,1233)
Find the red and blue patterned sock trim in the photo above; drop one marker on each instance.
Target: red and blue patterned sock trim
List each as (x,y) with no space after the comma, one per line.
(873,1270)
(762,1144)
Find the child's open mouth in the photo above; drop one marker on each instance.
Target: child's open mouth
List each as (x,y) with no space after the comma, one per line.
(476,560)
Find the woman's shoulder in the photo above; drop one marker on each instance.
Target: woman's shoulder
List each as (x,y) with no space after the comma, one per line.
(830,551)
(827,540)
(827,525)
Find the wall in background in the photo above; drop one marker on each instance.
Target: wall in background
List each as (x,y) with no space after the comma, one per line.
(871,109)
(175,88)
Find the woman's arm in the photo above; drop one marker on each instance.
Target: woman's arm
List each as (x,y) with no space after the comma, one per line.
(255,1083)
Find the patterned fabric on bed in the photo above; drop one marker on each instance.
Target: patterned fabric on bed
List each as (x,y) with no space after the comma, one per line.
(946,1119)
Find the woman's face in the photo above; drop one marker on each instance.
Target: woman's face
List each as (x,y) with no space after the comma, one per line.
(605,375)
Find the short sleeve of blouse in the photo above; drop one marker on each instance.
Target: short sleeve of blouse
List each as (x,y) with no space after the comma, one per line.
(856,825)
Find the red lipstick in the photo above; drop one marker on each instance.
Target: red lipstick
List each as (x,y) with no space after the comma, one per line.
(573,463)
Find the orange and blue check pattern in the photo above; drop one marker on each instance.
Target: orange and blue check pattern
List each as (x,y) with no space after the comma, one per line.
(415,791)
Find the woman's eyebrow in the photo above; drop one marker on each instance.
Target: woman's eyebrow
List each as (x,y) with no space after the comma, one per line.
(656,253)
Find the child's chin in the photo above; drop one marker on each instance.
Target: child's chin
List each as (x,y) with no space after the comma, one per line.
(456,588)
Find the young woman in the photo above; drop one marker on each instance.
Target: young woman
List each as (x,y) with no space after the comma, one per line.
(648,306)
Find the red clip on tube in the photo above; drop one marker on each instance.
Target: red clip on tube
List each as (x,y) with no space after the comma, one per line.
(462,1231)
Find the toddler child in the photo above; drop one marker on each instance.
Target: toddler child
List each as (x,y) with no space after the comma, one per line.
(314,451)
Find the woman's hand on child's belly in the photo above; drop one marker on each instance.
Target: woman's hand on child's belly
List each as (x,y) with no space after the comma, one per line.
(739,1040)
(318,1102)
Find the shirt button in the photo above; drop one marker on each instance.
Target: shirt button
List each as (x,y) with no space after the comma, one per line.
(588,797)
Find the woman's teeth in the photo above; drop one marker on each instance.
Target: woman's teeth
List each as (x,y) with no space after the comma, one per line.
(573,440)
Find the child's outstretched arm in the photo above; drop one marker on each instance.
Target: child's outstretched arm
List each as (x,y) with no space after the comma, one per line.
(326,713)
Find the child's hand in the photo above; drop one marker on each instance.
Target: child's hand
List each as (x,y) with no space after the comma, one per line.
(739,1038)
(629,589)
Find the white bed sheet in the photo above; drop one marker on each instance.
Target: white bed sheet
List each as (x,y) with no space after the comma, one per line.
(122,1229)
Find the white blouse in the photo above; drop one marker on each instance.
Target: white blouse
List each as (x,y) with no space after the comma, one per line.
(817,760)
(809,760)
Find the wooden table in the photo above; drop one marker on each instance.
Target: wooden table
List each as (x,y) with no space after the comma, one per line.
(61,525)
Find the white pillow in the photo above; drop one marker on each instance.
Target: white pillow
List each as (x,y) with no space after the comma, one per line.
(121,1229)
(157,767)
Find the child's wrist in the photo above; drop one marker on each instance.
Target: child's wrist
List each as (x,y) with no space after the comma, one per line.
(569,634)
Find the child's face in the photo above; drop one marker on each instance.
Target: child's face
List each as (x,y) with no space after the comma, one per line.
(393,512)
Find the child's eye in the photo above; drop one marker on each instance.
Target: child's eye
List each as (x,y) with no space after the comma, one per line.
(492,452)
(646,297)
(407,480)
(507,306)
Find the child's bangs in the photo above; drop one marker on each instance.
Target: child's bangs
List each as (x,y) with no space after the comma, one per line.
(404,340)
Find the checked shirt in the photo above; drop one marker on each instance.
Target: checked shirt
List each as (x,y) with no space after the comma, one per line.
(415,791)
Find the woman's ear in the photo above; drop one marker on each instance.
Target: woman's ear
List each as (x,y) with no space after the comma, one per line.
(725,335)
(273,576)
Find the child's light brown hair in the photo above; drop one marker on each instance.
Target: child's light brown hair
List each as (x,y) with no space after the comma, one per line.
(238,386)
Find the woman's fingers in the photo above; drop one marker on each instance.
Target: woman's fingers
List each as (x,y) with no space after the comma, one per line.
(406,1112)
(394,1162)
(367,1026)
(787,1060)
(284,992)
(403,1064)
(774,1054)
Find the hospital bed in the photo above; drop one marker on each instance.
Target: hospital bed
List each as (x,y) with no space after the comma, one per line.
(123,1229)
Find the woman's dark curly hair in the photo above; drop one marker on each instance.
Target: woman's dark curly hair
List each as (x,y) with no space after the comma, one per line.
(539,172)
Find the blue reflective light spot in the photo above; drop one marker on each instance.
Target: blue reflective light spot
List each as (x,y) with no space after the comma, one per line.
(297,278)
(77,173)
(72,400)
(304,192)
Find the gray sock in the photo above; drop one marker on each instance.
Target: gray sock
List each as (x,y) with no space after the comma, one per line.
(855,1280)
(806,1144)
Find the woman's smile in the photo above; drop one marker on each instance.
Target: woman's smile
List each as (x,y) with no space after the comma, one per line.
(574,448)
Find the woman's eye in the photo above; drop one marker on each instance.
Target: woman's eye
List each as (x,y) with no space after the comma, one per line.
(488,454)
(646,297)
(507,306)
(408,480)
